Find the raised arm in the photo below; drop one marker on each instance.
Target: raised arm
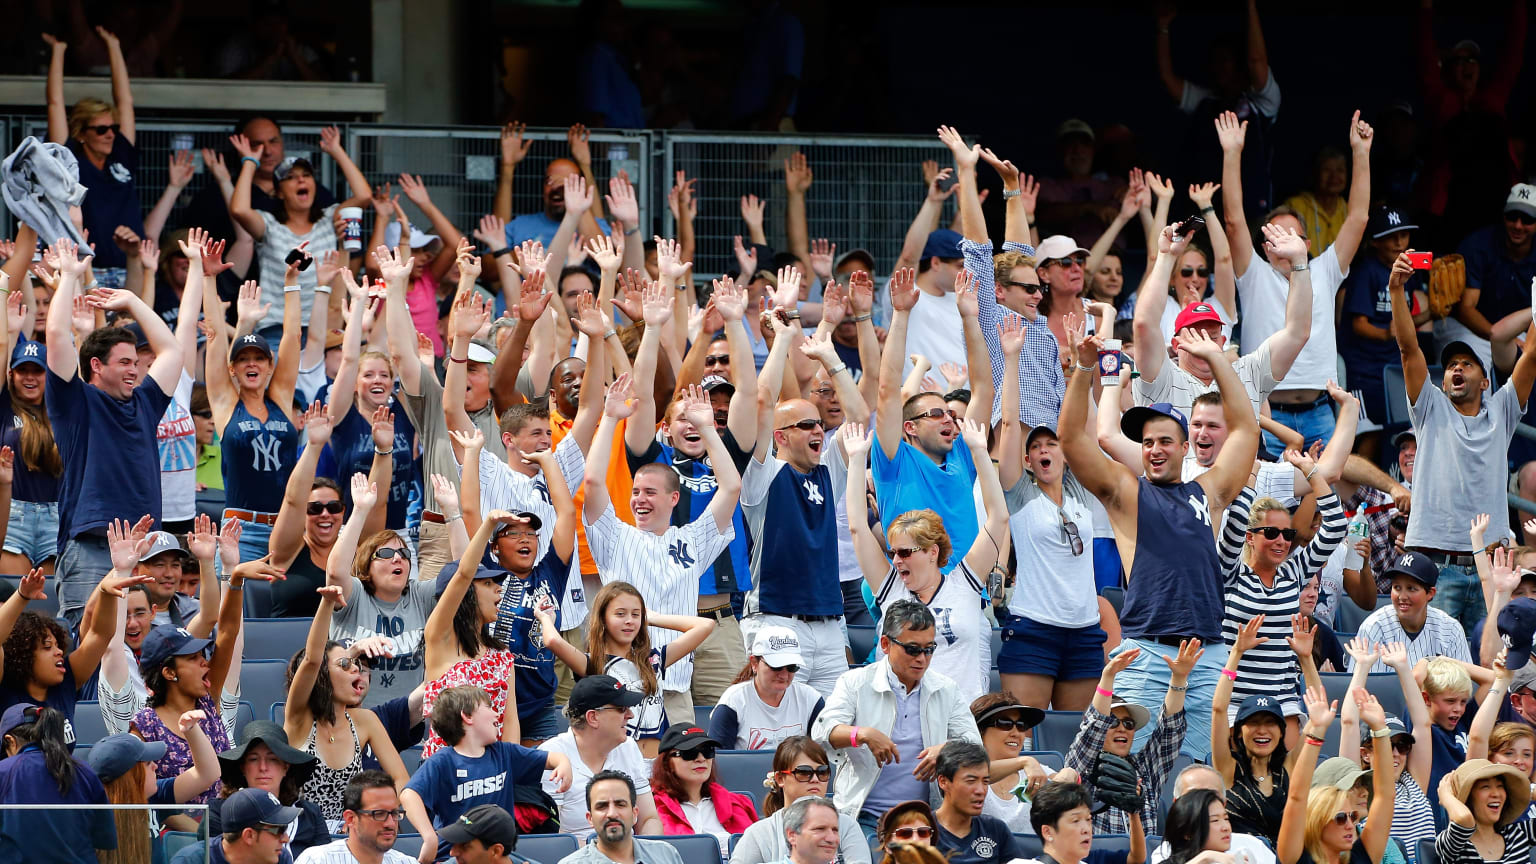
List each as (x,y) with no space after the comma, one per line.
(926,220)
(1221,752)
(1130,205)
(768,384)
(1293,822)
(1108,480)
(991,546)
(415,190)
(287,539)
(1235,462)
(867,548)
(58,113)
(1223,278)
(722,506)
(240,209)
(1415,368)
(1353,229)
(469,315)
(618,404)
(1231,134)
(438,639)
(343,392)
(297,717)
(122,92)
(180,174)
(203,545)
(513,150)
(1287,342)
(888,408)
(285,372)
(1376,832)
(167,366)
(1008,445)
(1150,350)
(396,271)
(797,181)
(362,193)
(338,567)
(63,356)
(640,431)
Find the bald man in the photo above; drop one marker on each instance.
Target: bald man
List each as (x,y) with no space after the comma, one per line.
(542,226)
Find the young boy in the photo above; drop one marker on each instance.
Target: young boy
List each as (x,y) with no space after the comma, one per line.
(1447,690)
(1427,632)
(475,768)
(1061,817)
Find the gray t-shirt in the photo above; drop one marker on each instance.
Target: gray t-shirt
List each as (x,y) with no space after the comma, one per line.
(403,622)
(1462,467)
(426,414)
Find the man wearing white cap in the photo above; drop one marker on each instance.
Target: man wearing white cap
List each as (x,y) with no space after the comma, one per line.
(1500,264)
(770,706)
(162,561)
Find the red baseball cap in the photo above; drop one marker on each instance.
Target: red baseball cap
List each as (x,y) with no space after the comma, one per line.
(1195,313)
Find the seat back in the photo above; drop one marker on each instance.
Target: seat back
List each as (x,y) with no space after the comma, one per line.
(264,683)
(275,638)
(546,848)
(694,848)
(862,639)
(1057,730)
(743,771)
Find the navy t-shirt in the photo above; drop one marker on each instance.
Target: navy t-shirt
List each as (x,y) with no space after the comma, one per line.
(110,200)
(450,783)
(1504,286)
(396,717)
(516,626)
(110,453)
(60,697)
(1449,751)
(351,452)
(1365,294)
(66,835)
(990,840)
(29,485)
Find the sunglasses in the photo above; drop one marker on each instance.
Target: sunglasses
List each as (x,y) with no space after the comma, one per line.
(915,650)
(274,830)
(347,664)
(1187,272)
(932,414)
(1123,723)
(1074,536)
(1402,745)
(791,668)
(717,360)
(905,551)
(804,425)
(1066,262)
(382,815)
(693,753)
(384,553)
(1008,723)
(1270,532)
(315,508)
(104,128)
(1342,818)
(1517,216)
(206,415)
(911,832)
(1026,287)
(807,773)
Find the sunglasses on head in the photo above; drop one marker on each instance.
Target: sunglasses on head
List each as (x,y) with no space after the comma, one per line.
(913,832)
(384,553)
(1026,287)
(1270,532)
(807,773)
(915,650)
(805,425)
(1517,216)
(104,128)
(315,508)
(933,414)
(693,753)
(717,360)
(1187,272)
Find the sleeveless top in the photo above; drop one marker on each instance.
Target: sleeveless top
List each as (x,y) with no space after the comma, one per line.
(1175,585)
(1251,811)
(258,458)
(488,672)
(178,755)
(327,785)
(295,597)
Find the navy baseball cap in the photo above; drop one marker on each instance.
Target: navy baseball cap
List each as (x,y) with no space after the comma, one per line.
(1460,347)
(251,340)
(165,642)
(445,575)
(1394,724)
(19,714)
(942,243)
(487,823)
(112,756)
(1259,705)
(1417,567)
(1517,627)
(253,808)
(1132,420)
(596,692)
(27,351)
(1386,221)
(139,339)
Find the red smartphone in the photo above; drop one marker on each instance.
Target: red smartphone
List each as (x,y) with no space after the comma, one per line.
(1421,260)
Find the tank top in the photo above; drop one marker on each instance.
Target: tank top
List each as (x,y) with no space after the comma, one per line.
(327,786)
(1175,585)
(257,457)
(295,597)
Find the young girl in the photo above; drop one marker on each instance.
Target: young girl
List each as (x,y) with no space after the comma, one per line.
(31,539)
(618,635)
(125,766)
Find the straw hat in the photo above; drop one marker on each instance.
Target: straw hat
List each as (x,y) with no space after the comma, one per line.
(1516,786)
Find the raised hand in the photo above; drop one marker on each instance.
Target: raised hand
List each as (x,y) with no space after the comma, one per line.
(966,157)
(149,254)
(513,148)
(1003,167)
(786,296)
(823,253)
(904,289)
(1088,347)
(579,140)
(974,433)
(189,720)
(797,173)
(1320,712)
(201,541)
(110,299)
(531,257)
(1502,571)
(1285,243)
(937,191)
(415,190)
(316,423)
(746,259)
(603,254)
(532,299)
(669,263)
(834,304)
(819,347)
(1160,188)
(1121,662)
(446,495)
(623,206)
(752,208)
(1200,345)
(492,231)
(1203,193)
(578,196)
(1363,653)
(229,543)
(126,544)
(242,145)
(1303,462)
(857,439)
(695,406)
(1010,331)
(364,494)
(248,306)
(861,292)
(383,204)
(1230,133)
(656,305)
(470,313)
(965,294)
(1360,135)
(1302,635)
(620,401)
(1248,636)
(1171,242)
(382,425)
(181,169)
(1029,192)
(472,441)
(589,318)
(1394,654)
(333,594)
(392,267)
(330,141)
(1371,712)
(1190,652)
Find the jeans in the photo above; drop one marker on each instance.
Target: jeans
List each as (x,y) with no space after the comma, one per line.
(1459,594)
(84,559)
(870,822)
(254,540)
(1314,424)
(855,609)
(1145,683)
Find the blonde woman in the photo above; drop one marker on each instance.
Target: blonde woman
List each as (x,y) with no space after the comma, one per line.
(1321,825)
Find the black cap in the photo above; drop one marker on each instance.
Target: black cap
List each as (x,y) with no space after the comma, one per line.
(684,738)
(596,692)
(1394,724)
(164,642)
(445,575)
(1517,627)
(253,808)
(487,823)
(232,762)
(528,516)
(251,340)
(1259,705)
(1030,716)
(139,339)
(1386,221)
(1417,567)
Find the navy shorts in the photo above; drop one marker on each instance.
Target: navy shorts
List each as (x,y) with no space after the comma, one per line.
(1063,653)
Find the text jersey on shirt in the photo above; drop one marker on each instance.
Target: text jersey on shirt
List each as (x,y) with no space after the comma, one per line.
(258,457)
(176,437)
(793,520)
(1175,585)
(963,634)
(451,784)
(1262,291)
(731,570)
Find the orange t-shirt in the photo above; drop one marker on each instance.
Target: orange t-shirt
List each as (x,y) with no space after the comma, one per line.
(620,483)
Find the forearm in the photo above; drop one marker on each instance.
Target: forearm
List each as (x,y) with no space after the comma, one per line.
(1102,245)
(502,205)
(154,223)
(796,229)
(917,233)
(509,363)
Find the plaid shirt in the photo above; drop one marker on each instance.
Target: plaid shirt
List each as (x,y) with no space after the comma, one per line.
(1041,382)
(1153,765)
(1380,524)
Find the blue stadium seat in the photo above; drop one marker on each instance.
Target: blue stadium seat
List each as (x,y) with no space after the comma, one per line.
(1111,849)
(1348,617)
(411,756)
(1115,595)
(743,770)
(735,838)
(693,848)
(701,717)
(408,844)
(994,679)
(264,682)
(275,638)
(1427,853)
(1057,730)
(243,715)
(90,726)
(1030,845)
(1165,797)
(175,841)
(258,600)
(862,639)
(546,848)
(1051,760)
(275,713)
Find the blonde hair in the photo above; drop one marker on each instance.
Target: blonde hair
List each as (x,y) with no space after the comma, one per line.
(1444,675)
(375,355)
(82,112)
(1002,262)
(1256,518)
(926,528)
(1322,803)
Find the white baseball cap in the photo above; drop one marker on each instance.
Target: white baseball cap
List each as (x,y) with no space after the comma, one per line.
(419,239)
(1058,246)
(1522,197)
(479,353)
(778,646)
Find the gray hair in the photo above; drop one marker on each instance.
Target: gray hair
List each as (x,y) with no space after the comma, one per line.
(906,615)
(796,814)
(1181,783)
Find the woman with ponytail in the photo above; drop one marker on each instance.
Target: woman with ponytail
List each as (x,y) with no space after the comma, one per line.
(38,769)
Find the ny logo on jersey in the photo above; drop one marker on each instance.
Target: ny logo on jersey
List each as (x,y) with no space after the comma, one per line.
(543,490)
(679,552)
(264,453)
(1202,511)
(812,493)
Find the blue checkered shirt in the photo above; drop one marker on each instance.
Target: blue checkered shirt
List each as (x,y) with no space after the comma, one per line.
(1153,764)
(1041,382)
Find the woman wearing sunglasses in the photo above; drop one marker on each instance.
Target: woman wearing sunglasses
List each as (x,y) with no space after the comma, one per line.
(908,822)
(1004,726)
(766,704)
(688,798)
(800,770)
(920,549)
(1321,825)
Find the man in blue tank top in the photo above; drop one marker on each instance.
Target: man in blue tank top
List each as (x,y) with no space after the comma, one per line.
(1164,529)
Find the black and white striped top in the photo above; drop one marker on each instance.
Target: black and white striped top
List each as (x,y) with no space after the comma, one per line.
(1454,845)
(1270,669)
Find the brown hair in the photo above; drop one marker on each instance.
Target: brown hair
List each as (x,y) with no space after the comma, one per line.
(1506,734)
(1002,262)
(926,528)
(666,781)
(449,708)
(364,557)
(39,450)
(132,825)
(784,758)
(597,635)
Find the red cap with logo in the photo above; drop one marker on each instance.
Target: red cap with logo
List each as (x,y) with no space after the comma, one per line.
(1196,313)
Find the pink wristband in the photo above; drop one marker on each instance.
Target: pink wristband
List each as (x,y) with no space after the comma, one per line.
(1105,693)
(1230,673)
(853,737)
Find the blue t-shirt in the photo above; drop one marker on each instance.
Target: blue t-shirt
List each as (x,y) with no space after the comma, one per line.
(396,717)
(351,452)
(911,481)
(55,835)
(1504,286)
(110,450)
(990,841)
(61,697)
(732,570)
(1365,293)
(1449,751)
(520,631)
(450,783)
(111,199)
(607,88)
(537,226)
(29,485)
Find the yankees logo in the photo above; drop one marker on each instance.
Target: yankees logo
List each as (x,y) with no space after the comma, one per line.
(679,552)
(264,453)
(1394,218)
(1202,512)
(543,490)
(812,493)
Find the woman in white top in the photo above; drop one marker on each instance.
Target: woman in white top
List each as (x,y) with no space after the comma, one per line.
(1005,725)
(920,549)
(766,704)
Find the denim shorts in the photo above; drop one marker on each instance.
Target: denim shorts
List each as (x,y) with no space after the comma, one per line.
(1063,653)
(542,726)
(33,530)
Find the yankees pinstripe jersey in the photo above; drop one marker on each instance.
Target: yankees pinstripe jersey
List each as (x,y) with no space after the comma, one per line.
(732,571)
(501,488)
(664,567)
(1441,636)
(793,520)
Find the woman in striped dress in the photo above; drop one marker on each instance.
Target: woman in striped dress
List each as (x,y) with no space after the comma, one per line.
(1483,803)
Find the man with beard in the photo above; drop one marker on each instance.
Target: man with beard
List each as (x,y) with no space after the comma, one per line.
(1465,437)
(965,835)
(611,813)
(372,817)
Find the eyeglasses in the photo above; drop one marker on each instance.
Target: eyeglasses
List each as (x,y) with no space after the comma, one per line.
(1074,536)
(104,128)
(1270,532)
(1342,818)
(693,753)
(918,832)
(915,650)
(1187,272)
(384,553)
(822,392)
(805,425)
(382,815)
(1517,216)
(1123,722)
(315,508)
(807,773)
(905,551)
(932,414)
(717,360)
(1026,287)
(515,531)
(1067,261)
(1008,723)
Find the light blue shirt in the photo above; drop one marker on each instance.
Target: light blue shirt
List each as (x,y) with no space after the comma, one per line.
(538,226)
(896,783)
(912,481)
(646,852)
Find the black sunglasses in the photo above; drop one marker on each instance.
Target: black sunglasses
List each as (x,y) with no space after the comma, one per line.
(1187,272)
(915,650)
(1517,216)
(717,360)
(932,414)
(1007,723)
(806,773)
(807,425)
(791,668)
(206,415)
(693,753)
(387,552)
(1026,287)
(1270,532)
(315,508)
(1074,536)
(1067,261)
(104,128)
(1123,722)
(905,551)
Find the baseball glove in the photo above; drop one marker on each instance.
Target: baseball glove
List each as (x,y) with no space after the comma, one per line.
(1447,282)
(1115,783)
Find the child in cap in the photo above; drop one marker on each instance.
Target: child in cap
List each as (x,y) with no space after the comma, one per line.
(1425,631)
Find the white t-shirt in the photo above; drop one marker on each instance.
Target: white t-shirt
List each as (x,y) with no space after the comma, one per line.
(760,726)
(1262,292)
(336,852)
(935,330)
(573,802)
(963,634)
(177,437)
(1179,388)
(1053,585)
(1013,812)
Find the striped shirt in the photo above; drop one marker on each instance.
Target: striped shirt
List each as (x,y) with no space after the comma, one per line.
(502,488)
(1413,818)
(336,852)
(1454,845)
(1270,669)
(1442,636)
(1041,382)
(664,567)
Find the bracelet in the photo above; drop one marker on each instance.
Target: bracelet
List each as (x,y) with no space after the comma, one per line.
(1310,473)
(1082,368)
(1173,689)
(323,289)
(1207,209)
(610,333)
(853,737)
(289,289)
(793,315)
(453,359)
(378,452)
(1012,193)
(1230,673)
(1383,732)
(1302,269)
(841,367)
(1315,742)
(505,250)
(251,159)
(865,317)
(632,232)
(1105,693)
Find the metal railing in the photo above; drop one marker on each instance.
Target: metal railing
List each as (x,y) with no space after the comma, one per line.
(171,843)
